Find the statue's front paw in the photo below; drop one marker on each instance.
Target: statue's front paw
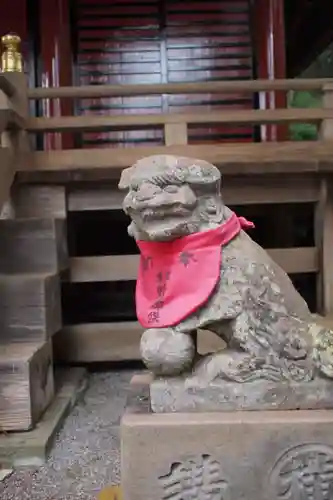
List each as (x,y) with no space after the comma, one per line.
(166,352)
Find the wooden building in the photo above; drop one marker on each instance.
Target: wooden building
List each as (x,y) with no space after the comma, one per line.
(105,83)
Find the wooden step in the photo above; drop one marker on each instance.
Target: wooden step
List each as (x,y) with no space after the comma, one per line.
(125,267)
(237,190)
(33,245)
(39,201)
(31,449)
(30,307)
(26,384)
(98,342)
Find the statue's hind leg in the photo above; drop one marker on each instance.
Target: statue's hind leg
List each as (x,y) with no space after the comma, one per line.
(240,335)
(244,358)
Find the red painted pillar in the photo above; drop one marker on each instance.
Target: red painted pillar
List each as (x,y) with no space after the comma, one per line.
(56,63)
(13,18)
(269,35)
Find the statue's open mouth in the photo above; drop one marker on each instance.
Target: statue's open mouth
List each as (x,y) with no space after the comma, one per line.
(151,214)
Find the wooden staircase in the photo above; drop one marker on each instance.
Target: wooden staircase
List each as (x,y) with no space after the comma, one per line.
(32,255)
(34,396)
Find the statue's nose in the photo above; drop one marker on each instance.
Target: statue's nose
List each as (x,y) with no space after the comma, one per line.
(186,196)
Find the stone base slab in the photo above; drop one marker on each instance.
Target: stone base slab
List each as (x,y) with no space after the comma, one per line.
(178,394)
(282,455)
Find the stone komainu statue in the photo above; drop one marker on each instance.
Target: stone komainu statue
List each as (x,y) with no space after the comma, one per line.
(200,269)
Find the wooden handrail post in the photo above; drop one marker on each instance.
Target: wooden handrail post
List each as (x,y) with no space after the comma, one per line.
(14,140)
(324,221)
(326,129)
(12,65)
(11,58)
(175,134)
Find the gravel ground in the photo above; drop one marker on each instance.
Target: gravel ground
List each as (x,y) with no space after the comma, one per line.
(86,455)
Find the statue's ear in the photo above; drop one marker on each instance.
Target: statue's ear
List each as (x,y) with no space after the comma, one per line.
(125,178)
(213,208)
(132,230)
(213,205)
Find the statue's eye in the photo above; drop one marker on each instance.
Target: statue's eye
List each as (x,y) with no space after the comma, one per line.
(171,189)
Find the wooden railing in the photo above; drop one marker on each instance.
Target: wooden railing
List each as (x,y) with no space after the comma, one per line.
(232,158)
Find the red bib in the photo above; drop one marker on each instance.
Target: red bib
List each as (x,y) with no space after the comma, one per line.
(177,277)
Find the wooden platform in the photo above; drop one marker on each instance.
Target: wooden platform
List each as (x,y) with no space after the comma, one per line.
(104,342)
(70,165)
(31,448)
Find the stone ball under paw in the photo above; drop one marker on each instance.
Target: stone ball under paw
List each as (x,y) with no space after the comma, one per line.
(166,352)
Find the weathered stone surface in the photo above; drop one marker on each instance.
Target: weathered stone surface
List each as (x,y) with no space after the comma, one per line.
(254,307)
(179,394)
(163,359)
(282,455)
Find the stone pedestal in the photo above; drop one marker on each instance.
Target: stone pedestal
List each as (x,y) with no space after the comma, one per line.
(181,394)
(279,455)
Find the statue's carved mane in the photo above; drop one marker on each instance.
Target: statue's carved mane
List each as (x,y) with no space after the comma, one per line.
(165,170)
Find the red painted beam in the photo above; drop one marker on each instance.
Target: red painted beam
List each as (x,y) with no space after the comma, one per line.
(56,56)
(269,33)
(13,18)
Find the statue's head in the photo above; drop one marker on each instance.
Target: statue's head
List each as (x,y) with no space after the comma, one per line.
(169,197)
